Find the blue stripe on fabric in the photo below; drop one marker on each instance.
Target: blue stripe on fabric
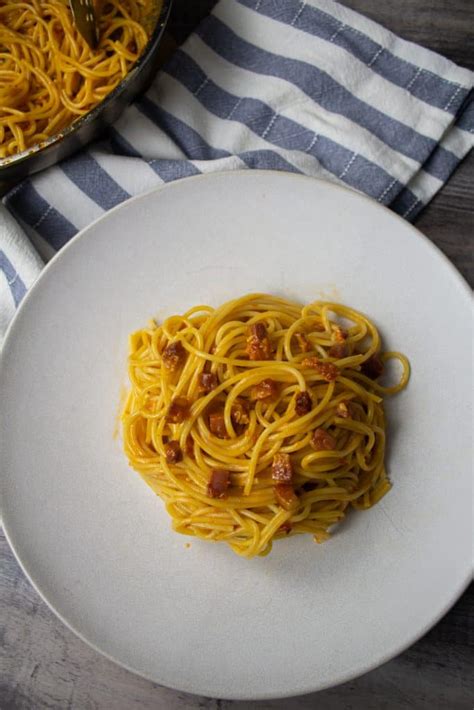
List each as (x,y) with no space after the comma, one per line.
(441,163)
(120,146)
(407,205)
(39,215)
(86,173)
(316,84)
(421,83)
(15,283)
(196,148)
(167,170)
(185,137)
(267,160)
(170,170)
(466,117)
(283,132)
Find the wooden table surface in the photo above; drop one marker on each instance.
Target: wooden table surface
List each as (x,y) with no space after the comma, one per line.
(43,665)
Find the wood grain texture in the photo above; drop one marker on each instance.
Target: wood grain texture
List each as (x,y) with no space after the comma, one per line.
(43,665)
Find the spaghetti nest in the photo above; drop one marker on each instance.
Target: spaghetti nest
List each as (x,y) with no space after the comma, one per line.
(260,418)
(49,76)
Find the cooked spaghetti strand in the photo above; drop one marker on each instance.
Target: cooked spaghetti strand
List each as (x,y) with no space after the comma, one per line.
(49,76)
(260,418)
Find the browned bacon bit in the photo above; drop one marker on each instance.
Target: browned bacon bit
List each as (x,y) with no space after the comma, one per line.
(218,483)
(258,343)
(266,389)
(327,370)
(207,382)
(173,452)
(286,527)
(373,367)
(285,495)
(317,326)
(339,350)
(322,440)
(303,403)
(173,355)
(303,342)
(217,424)
(178,410)
(190,446)
(282,470)
(239,413)
(258,330)
(343,410)
(340,334)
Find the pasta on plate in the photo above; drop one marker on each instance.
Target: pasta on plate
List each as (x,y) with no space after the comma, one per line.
(260,418)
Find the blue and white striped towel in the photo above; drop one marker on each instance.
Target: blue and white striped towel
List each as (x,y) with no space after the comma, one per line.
(301,85)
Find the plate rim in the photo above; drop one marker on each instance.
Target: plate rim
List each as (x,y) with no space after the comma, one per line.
(284,174)
(357,670)
(256,696)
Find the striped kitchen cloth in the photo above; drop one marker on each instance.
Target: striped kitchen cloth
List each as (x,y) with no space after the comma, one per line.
(306,86)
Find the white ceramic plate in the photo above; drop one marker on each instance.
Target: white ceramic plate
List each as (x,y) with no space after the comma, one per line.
(97,543)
